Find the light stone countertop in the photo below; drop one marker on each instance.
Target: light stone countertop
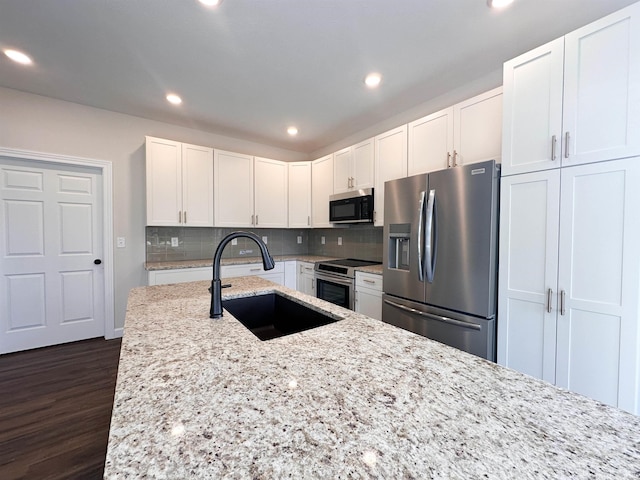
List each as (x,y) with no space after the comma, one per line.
(151,266)
(201,398)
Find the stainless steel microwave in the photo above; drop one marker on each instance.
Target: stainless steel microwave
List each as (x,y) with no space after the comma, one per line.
(352,207)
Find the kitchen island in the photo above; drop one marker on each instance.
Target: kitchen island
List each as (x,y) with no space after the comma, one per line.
(202,398)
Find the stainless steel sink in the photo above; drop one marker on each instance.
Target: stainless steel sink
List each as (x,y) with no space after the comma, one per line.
(271,315)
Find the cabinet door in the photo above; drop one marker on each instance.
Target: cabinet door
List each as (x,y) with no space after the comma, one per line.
(342,170)
(306,278)
(390,163)
(163,182)
(598,280)
(532,110)
(529,219)
(369,303)
(477,129)
(299,195)
(197,186)
(430,142)
(321,189)
(363,165)
(270,193)
(233,192)
(602,89)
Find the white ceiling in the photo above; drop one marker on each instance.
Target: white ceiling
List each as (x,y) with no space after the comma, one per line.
(251,68)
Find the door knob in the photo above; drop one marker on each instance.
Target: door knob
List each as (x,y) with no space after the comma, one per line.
(97,261)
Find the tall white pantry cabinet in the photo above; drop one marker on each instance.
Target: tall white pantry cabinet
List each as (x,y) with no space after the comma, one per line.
(569,280)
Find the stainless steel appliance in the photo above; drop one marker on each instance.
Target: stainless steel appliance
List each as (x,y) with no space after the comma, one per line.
(440,256)
(352,207)
(335,280)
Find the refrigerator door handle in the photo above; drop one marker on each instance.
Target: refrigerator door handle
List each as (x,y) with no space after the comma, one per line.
(420,237)
(431,316)
(431,232)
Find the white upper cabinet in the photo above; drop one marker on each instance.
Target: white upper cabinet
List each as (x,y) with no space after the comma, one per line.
(390,163)
(468,132)
(270,187)
(354,167)
(250,192)
(321,189)
(477,129)
(575,100)
(299,194)
(179,183)
(431,142)
(233,178)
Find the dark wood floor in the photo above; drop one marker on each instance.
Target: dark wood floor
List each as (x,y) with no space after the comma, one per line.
(55,409)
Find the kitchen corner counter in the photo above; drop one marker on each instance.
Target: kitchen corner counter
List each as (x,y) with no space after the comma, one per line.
(153,266)
(202,398)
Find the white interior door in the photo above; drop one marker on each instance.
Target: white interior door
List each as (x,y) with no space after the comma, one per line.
(51,248)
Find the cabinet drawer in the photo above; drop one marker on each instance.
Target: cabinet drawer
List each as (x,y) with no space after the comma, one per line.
(247,269)
(369,280)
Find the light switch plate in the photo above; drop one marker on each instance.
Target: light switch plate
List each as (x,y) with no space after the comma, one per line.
(339,240)
(299,239)
(121,242)
(234,241)
(174,242)
(264,239)
(322,240)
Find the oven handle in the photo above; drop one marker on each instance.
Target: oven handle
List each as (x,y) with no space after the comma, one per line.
(451,321)
(346,281)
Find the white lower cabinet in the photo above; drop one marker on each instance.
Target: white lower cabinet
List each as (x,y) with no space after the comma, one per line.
(179,275)
(569,282)
(306,282)
(369,295)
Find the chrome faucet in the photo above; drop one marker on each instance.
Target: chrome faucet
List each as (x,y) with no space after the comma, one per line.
(216,287)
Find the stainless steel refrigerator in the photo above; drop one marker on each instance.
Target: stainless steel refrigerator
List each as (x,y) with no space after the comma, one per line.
(440,256)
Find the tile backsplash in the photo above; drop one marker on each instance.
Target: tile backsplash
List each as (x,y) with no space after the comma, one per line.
(196,243)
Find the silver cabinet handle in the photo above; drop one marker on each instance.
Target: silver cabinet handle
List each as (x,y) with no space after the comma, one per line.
(180,216)
(455,158)
(313,284)
(366,280)
(448,159)
(308,219)
(549,293)
(450,321)
(562,301)
(255,269)
(185,216)
(566,145)
(252,219)
(421,240)
(554,142)
(256,219)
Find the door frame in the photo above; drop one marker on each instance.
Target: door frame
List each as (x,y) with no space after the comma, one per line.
(107,219)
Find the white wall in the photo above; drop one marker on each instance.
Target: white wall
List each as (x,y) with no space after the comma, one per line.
(41,124)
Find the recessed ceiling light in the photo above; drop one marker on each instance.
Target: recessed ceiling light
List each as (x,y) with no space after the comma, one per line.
(211,3)
(18,57)
(373,80)
(293,131)
(499,3)
(173,98)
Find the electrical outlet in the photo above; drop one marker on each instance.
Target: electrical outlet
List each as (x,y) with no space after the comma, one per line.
(299,239)
(339,240)
(234,241)
(121,242)
(322,240)
(174,242)
(264,239)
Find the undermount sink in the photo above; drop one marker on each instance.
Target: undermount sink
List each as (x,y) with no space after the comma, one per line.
(272,316)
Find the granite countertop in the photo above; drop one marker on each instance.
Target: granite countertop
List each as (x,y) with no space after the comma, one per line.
(153,266)
(150,266)
(202,398)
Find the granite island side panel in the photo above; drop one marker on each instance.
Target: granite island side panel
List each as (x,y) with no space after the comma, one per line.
(202,398)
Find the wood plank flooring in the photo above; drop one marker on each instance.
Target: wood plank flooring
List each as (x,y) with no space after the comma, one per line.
(55,409)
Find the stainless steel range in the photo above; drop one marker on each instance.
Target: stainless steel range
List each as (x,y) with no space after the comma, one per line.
(335,280)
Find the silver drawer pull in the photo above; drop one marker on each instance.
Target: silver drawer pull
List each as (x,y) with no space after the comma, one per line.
(450,321)
(369,281)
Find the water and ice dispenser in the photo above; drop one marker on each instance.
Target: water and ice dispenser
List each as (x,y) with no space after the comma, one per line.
(399,246)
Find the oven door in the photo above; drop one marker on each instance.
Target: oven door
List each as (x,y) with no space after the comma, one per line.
(335,289)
